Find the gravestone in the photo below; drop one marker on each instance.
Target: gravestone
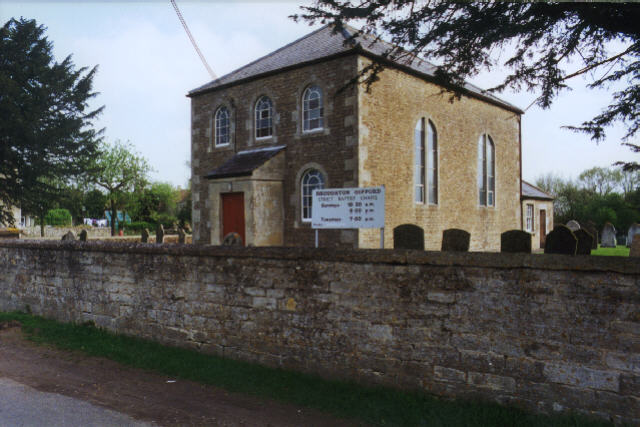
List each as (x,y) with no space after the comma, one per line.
(408,236)
(232,239)
(69,236)
(182,237)
(159,234)
(561,241)
(515,241)
(144,236)
(455,240)
(634,229)
(573,225)
(608,236)
(83,235)
(590,228)
(187,228)
(585,242)
(635,248)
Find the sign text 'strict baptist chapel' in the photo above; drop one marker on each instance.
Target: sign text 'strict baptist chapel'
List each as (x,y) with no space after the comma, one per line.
(348,208)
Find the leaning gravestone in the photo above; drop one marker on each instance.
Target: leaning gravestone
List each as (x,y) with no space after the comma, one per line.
(633,230)
(515,241)
(455,240)
(561,241)
(585,242)
(590,227)
(182,236)
(144,236)
(160,234)
(408,236)
(83,235)
(573,225)
(635,248)
(608,236)
(69,236)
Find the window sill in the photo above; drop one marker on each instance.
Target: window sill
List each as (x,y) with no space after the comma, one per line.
(313,131)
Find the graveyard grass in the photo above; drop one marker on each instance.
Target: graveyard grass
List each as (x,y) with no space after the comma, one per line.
(619,250)
(371,405)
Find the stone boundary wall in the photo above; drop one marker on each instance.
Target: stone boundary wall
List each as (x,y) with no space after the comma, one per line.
(58,232)
(545,332)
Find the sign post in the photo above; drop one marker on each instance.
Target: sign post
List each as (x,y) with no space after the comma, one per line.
(348,208)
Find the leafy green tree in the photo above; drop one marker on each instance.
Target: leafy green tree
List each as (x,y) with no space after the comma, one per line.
(119,170)
(600,42)
(601,181)
(94,202)
(46,132)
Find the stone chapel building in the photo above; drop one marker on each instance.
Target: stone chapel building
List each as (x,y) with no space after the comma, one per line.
(267,134)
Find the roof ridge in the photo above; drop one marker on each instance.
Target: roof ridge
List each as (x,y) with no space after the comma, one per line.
(261,58)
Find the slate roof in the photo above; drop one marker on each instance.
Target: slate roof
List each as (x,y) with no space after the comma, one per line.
(532,192)
(323,44)
(243,163)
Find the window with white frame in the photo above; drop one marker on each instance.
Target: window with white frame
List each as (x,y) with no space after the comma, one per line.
(418,168)
(312,179)
(312,109)
(425,162)
(529,218)
(264,118)
(222,127)
(486,171)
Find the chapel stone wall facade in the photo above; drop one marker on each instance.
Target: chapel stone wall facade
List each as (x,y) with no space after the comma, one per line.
(388,115)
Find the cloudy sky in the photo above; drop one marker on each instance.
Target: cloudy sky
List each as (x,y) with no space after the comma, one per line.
(147,65)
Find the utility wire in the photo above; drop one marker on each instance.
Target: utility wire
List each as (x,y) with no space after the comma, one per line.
(193,41)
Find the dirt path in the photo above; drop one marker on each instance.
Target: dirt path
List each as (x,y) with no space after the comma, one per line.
(142,395)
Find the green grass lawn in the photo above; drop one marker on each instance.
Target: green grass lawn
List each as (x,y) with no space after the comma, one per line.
(371,405)
(619,250)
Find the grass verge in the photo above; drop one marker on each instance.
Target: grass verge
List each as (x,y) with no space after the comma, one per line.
(372,405)
(619,250)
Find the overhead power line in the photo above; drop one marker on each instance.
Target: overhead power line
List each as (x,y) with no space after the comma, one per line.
(193,41)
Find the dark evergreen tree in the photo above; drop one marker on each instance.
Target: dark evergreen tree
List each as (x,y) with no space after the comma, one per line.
(599,40)
(45,119)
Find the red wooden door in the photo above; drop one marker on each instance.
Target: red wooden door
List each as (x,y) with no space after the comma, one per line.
(233,214)
(543,227)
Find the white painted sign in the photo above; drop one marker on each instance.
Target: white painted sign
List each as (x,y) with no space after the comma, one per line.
(348,208)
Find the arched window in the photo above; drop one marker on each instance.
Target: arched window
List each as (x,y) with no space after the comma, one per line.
(264,118)
(312,179)
(486,171)
(222,127)
(312,110)
(425,162)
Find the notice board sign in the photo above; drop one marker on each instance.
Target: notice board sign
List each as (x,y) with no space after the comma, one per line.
(348,208)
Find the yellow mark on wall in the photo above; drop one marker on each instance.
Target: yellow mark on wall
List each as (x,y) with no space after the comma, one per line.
(291,304)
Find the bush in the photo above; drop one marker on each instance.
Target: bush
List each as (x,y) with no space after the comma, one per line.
(166,220)
(58,218)
(137,227)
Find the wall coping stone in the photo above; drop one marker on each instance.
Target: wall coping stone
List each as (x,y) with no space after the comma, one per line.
(585,263)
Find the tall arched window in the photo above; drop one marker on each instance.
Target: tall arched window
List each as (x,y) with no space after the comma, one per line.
(222,127)
(264,118)
(312,179)
(312,110)
(486,171)
(425,162)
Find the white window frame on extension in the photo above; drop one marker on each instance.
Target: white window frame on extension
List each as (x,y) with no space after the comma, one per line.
(312,179)
(312,109)
(486,171)
(529,218)
(263,118)
(425,162)
(222,127)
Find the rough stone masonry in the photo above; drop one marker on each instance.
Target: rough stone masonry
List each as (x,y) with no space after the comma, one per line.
(545,332)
